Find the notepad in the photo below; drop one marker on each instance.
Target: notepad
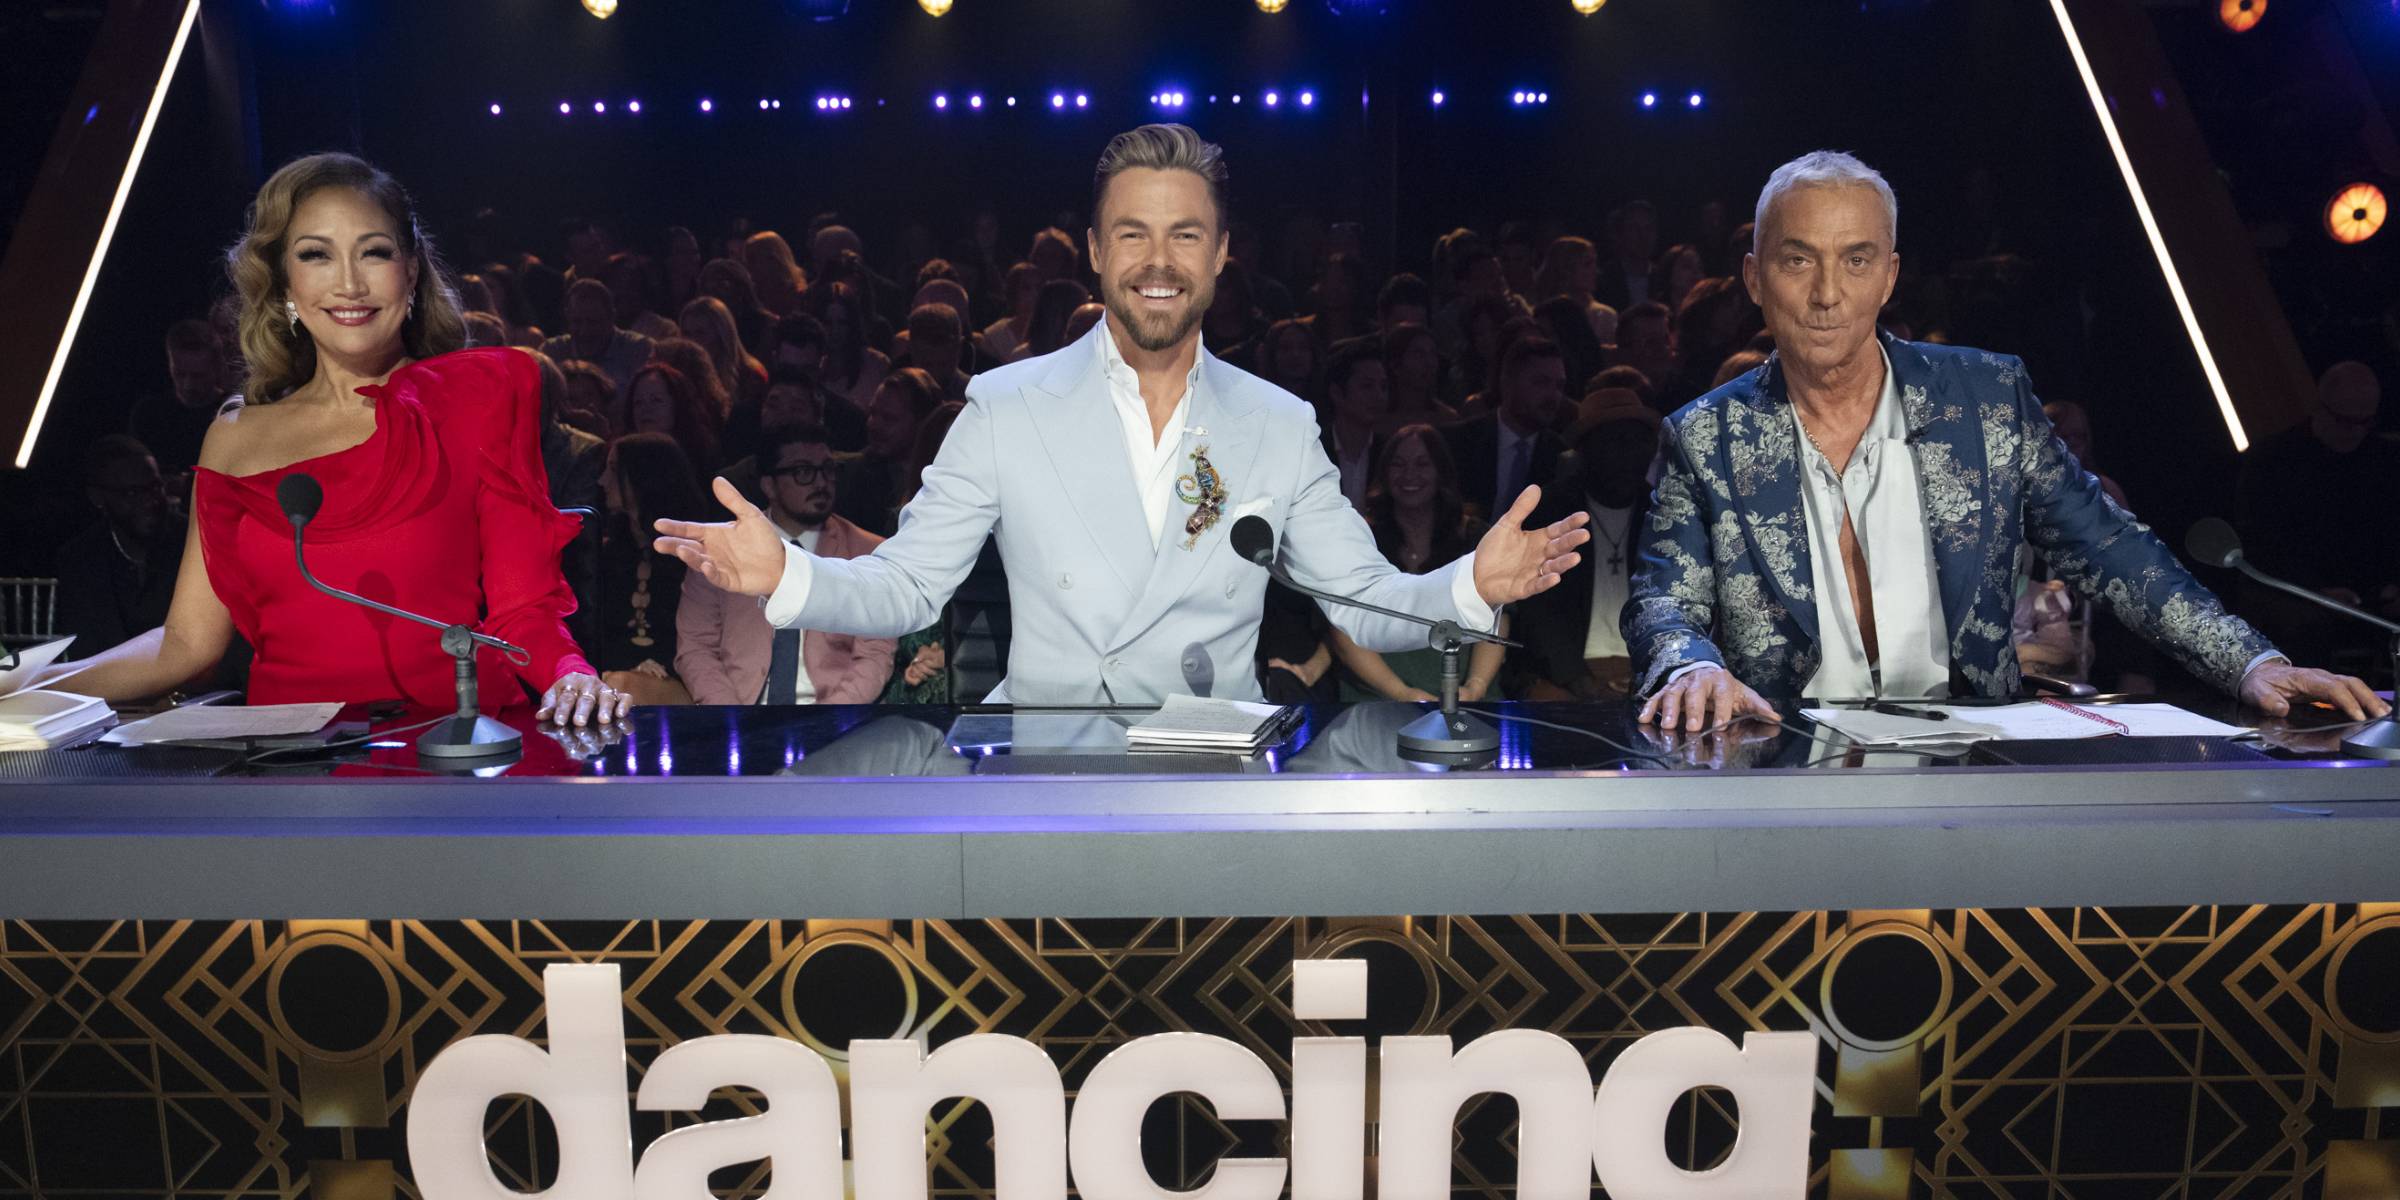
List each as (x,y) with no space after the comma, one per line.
(213,723)
(41,718)
(1199,723)
(2038,719)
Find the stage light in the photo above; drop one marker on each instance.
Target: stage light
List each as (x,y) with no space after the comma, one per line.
(2356,213)
(1517,98)
(108,233)
(1694,100)
(599,106)
(634,107)
(1541,98)
(1058,99)
(707,105)
(603,9)
(1012,101)
(941,102)
(1082,100)
(823,10)
(844,103)
(2158,241)
(563,108)
(495,110)
(1587,7)
(1237,97)
(1437,98)
(1273,99)
(777,105)
(934,8)
(2241,16)
(1308,99)
(1272,6)
(1649,99)
(975,101)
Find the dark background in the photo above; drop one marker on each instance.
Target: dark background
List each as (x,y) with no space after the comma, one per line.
(1930,91)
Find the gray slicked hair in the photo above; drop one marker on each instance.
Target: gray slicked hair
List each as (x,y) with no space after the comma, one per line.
(1825,168)
(1162,148)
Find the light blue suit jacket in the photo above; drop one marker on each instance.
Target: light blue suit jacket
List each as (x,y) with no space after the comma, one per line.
(1038,460)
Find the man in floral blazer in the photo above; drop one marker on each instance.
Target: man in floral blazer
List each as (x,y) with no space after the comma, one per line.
(1744,591)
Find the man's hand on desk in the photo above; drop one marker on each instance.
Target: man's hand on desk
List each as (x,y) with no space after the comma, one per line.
(1513,562)
(743,556)
(1705,698)
(2273,687)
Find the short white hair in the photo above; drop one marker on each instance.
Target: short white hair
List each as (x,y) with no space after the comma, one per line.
(1825,168)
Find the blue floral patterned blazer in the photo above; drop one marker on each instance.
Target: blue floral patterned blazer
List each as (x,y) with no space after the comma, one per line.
(1724,577)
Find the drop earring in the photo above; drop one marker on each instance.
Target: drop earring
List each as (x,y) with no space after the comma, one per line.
(291,313)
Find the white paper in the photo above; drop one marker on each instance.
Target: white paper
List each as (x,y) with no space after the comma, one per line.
(31,663)
(1194,721)
(2014,722)
(217,722)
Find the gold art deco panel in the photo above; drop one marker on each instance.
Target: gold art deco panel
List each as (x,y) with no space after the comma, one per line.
(2056,1053)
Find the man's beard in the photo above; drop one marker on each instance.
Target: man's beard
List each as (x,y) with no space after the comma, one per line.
(1158,331)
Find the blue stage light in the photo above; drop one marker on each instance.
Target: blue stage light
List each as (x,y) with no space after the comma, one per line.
(1237,97)
(941,102)
(1308,99)
(1649,99)
(1082,100)
(1541,98)
(707,105)
(822,10)
(1273,99)
(634,107)
(1012,101)
(599,106)
(1058,99)
(1438,98)
(1694,100)
(495,112)
(563,109)
(975,101)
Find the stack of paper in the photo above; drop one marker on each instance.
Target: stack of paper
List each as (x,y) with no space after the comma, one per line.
(216,723)
(38,719)
(1196,723)
(2015,722)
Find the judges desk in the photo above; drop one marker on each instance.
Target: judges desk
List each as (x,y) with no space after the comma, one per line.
(2022,976)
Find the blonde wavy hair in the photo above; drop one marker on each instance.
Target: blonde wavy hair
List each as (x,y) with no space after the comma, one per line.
(281,357)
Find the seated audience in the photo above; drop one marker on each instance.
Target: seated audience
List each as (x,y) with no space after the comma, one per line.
(172,425)
(1646,342)
(870,485)
(1420,522)
(1502,452)
(592,335)
(1054,307)
(937,346)
(1006,338)
(1412,364)
(727,653)
(1572,646)
(573,460)
(706,320)
(647,477)
(116,577)
(2314,505)
(1358,401)
(728,282)
(663,400)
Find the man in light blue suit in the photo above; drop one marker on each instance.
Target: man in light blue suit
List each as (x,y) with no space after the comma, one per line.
(1112,473)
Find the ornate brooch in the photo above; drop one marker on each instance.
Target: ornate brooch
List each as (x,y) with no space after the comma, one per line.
(1205,492)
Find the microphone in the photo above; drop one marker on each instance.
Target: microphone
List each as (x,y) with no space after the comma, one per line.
(1448,736)
(464,735)
(2215,543)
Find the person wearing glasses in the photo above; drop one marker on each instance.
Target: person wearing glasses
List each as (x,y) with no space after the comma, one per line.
(727,653)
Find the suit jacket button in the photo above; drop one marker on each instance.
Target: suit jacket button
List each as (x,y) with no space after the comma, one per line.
(1066,581)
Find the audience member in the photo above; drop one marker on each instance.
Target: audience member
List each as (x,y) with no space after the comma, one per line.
(680,269)
(172,425)
(1571,269)
(1290,358)
(936,346)
(1420,521)
(870,492)
(1646,342)
(1413,366)
(116,577)
(590,393)
(1677,271)
(2314,505)
(779,280)
(592,335)
(706,320)
(1054,305)
(1086,315)
(691,360)
(1501,453)
(853,369)
(1338,303)
(728,282)
(1573,648)
(1233,323)
(664,401)
(1006,338)
(1404,300)
(573,460)
(1358,402)
(1633,239)
(727,653)
(647,477)
(631,288)
(1566,321)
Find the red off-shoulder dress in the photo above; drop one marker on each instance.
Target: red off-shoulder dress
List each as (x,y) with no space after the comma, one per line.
(445,510)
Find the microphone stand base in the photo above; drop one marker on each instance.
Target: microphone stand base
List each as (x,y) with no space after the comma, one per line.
(1449,739)
(2379,740)
(464,740)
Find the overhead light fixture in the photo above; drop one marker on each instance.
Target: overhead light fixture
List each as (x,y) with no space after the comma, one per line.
(2241,16)
(2356,213)
(2158,241)
(1587,7)
(108,231)
(934,8)
(1272,6)
(603,9)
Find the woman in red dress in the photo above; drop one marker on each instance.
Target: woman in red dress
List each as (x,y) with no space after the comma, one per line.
(429,456)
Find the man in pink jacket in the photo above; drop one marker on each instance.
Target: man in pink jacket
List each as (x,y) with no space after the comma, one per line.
(727,653)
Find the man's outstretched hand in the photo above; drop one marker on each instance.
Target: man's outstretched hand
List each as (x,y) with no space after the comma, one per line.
(1704,699)
(1513,562)
(743,556)
(2275,686)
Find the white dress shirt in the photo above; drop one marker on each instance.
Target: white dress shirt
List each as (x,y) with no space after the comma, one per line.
(804,689)
(1877,490)
(1154,462)
(1612,533)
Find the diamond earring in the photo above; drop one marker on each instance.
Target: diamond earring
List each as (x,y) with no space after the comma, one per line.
(291,313)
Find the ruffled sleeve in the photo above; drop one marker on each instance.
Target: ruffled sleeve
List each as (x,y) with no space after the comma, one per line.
(526,597)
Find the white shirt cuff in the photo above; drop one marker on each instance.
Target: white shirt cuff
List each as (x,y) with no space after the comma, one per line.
(783,605)
(1472,611)
(2263,659)
(1682,671)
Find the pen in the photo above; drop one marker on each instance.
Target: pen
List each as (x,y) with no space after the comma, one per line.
(1894,710)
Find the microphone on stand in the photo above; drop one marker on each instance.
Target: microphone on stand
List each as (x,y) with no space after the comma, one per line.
(464,735)
(2214,542)
(1447,736)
